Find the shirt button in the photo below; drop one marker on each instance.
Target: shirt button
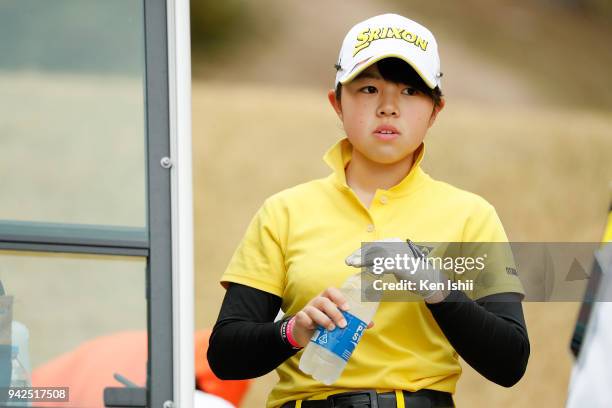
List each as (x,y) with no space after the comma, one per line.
(370,228)
(384,200)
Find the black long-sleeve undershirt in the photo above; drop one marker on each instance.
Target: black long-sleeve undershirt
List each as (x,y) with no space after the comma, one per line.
(489,334)
(245,342)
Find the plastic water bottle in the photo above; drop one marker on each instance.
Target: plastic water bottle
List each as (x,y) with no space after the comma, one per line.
(20,336)
(20,377)
(327,353)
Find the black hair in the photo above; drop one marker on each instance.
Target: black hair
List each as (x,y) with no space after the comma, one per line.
(400,72)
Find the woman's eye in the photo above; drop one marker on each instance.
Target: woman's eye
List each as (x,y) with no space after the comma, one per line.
(368,89)
(410,91)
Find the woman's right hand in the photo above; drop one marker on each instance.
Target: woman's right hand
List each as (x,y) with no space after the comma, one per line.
(323,310)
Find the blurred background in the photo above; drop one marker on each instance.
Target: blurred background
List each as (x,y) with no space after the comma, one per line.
(527,125)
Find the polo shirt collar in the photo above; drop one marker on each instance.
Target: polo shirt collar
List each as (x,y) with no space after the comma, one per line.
(339,155)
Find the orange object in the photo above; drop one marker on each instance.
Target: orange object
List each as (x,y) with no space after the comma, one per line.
(89,368)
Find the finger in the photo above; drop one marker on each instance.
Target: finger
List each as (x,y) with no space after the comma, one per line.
(331,310)
(318,317)
(337,297)
(303,320)
(354,259)
(370,325)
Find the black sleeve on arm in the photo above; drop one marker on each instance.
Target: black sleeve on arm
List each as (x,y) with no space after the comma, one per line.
(488,333)
(246,342)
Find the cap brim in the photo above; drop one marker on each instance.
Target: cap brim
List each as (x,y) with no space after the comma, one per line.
(356,71)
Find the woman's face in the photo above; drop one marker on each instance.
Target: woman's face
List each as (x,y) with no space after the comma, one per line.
(384,121)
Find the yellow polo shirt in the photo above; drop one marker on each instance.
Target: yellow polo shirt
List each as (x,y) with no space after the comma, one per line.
(296,245)
(608,231)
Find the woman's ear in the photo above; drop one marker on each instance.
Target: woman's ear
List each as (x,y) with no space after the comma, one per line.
(437,109)
(331,96)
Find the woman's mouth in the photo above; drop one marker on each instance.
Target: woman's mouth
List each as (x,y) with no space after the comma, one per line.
(386,132)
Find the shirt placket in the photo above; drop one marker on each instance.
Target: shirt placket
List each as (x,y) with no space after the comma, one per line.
(375,213)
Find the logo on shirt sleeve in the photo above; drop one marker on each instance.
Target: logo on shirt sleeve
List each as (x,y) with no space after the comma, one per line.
(511,271)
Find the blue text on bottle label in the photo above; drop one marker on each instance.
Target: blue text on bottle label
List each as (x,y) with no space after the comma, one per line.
(339,341)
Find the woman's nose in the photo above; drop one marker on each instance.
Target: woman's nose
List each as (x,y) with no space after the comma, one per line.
(388,107)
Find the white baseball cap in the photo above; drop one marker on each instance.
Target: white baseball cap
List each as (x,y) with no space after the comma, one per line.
(389,35)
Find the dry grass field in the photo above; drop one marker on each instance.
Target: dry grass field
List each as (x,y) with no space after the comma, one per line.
(545,170)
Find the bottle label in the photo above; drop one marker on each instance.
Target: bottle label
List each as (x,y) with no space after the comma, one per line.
(339,341)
